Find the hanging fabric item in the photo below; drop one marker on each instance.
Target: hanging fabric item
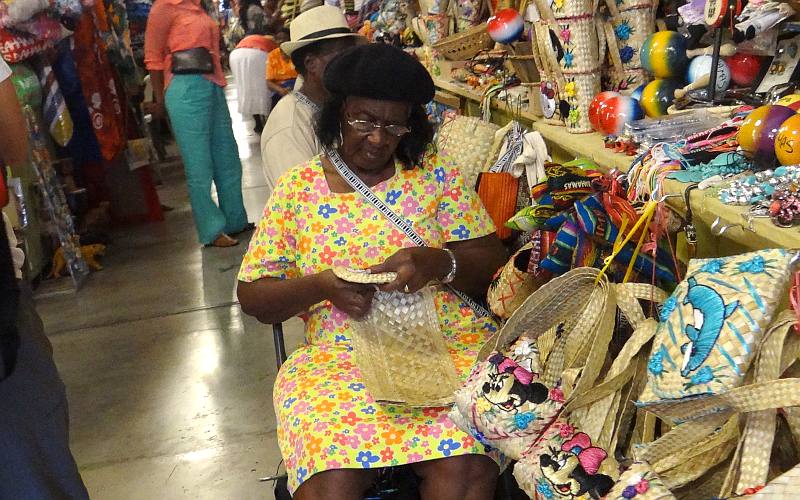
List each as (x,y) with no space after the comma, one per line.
(112,26)
(83,148)
(99,87)
(56,114)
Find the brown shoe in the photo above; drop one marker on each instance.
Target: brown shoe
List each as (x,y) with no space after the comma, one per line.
(223,241)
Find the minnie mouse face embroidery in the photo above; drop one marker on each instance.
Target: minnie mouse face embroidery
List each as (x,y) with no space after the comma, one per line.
(511,385)
(572,470)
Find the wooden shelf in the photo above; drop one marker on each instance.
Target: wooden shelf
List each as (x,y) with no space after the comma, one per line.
(564,146)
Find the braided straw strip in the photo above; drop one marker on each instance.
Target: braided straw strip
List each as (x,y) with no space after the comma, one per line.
(759,431)
(363,277)
(714,450)
(677,439)
(755,397)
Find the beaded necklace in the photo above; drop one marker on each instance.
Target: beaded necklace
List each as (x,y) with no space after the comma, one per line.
(759,186)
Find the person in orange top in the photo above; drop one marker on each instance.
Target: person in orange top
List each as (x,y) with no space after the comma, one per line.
(181,52)
(281,73)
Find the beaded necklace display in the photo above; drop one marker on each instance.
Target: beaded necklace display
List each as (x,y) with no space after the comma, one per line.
(759,186)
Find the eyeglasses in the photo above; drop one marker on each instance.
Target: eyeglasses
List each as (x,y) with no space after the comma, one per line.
(365,127)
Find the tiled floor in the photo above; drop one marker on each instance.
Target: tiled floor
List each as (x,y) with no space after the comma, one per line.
(169,383)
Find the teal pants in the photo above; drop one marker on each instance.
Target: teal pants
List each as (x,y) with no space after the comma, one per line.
(201,123)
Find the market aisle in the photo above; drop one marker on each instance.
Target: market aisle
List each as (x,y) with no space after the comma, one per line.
(169,384)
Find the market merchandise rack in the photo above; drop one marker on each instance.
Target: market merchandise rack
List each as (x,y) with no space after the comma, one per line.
(742,233)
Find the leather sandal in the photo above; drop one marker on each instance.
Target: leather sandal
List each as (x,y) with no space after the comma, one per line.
(223,241)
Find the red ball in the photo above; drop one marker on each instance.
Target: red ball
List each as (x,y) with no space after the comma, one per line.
(744,68)
(597,105)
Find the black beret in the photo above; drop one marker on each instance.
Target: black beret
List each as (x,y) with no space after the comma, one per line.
(379,71)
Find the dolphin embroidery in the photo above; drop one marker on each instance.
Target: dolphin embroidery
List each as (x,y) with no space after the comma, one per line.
(709,314)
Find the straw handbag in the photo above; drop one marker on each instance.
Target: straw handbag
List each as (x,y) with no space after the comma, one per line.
(710,431)
(564,324)
(512,284)
(640,482)
(468,141)
(712,324)
(565,463)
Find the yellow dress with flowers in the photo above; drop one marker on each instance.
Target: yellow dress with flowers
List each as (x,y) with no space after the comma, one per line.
(326,417)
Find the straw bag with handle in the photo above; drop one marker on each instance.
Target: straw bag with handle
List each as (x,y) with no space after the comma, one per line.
(468,140)
(565,463)
(712,323)
(710,431)
(517,387)
(512,284)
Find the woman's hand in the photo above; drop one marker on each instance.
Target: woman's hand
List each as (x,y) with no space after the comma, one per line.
(415,268)
(352,298)
(156,109)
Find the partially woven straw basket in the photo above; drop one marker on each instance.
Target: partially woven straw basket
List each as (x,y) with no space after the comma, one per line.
(402,353)
(461,46)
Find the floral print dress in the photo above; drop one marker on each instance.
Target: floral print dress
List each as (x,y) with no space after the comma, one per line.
(326,417)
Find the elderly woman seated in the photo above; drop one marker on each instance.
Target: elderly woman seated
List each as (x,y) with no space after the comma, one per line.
(333,435)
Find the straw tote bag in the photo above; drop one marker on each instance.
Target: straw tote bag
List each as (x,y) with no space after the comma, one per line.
(468,141)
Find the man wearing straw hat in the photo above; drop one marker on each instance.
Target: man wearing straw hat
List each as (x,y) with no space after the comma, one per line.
(317,36)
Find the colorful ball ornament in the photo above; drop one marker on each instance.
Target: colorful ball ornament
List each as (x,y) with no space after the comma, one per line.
(664,54)
(505,26)
(618,111)
(787,141)
(744,68)
(757,133)
(597,105)
(701,66)
(657,97)
(790,101)
(637,92)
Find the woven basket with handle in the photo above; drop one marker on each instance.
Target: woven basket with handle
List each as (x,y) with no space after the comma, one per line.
(465,44)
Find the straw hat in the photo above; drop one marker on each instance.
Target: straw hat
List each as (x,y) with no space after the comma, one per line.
(320,23)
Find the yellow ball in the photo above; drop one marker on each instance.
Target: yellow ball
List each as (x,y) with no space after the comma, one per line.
(747,136)
(790,101)
(787,142)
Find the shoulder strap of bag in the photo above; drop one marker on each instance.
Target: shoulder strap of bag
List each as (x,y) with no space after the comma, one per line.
(301,97)
(403,224)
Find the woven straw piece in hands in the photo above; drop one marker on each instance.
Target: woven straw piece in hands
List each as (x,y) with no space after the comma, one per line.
(364,277)
(402,353)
